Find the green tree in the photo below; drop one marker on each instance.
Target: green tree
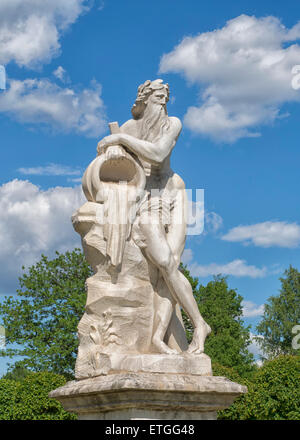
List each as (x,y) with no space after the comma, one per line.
(228,343)
(273,392)
(28,399)
(43,319)
(237,410)
(281,314)
(194,283)
(221,308)
(18,373)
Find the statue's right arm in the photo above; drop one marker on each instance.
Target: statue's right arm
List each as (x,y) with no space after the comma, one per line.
(128,127)
(154,153)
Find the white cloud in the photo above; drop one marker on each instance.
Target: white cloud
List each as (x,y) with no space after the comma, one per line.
(244,74)
(30,30)
(101,5)
(187,256)
(198,219)
(33,221)
(52,169)
(254,348)
(266,234)
(213,222)
(41,101)
(250,309)
(237,268)
(60,73)
(75,180)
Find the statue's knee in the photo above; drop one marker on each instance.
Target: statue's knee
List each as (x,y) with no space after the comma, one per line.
(165,261)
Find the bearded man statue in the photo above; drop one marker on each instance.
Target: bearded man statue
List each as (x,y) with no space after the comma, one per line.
(132,362)
(160,226)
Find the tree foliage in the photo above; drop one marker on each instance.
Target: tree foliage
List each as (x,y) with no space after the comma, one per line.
(194,283)
(236,410)
(273,392)
(281,314)
(28,399)
(18,373)
(43,319)
(221,308)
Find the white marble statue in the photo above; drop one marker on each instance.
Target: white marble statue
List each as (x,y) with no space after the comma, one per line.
(133,231)
(133,358)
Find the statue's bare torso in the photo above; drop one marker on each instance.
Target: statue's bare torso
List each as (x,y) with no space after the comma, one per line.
(159,176)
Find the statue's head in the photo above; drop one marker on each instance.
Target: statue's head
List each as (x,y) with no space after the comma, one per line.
(151,91)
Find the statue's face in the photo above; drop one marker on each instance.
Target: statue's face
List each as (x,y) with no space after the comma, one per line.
(159,96)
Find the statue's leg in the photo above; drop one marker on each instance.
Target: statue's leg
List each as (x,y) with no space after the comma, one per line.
(164,307)
(159,253)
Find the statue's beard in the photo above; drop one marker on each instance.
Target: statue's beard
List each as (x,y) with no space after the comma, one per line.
(154,122)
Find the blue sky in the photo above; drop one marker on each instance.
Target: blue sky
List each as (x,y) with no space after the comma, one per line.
(74,66)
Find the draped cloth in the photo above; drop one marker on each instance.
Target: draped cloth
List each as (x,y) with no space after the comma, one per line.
(117,225)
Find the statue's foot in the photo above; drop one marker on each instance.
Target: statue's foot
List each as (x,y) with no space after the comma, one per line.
(200,334)
(162,347)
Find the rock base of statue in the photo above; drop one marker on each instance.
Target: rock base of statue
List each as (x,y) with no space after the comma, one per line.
(152,363)
(148,396)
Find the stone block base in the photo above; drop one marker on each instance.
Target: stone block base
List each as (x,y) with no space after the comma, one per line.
(148,414)
(199,364)
(148,396)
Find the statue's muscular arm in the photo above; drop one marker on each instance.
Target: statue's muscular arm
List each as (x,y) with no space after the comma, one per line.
(154,153)
(177,228)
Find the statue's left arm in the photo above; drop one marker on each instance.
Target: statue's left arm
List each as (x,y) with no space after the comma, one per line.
(177,229)
(154,153)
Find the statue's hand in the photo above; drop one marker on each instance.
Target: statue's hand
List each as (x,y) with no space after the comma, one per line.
(113,139)
(114,152)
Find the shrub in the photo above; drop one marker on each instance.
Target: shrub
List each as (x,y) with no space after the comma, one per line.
(273,393)
(28,399)
(277,390)
(236,410)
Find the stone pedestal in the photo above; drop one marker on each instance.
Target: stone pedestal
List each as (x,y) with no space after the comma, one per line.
(148,396)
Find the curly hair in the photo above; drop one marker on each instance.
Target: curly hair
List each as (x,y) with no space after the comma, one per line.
(144,91)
